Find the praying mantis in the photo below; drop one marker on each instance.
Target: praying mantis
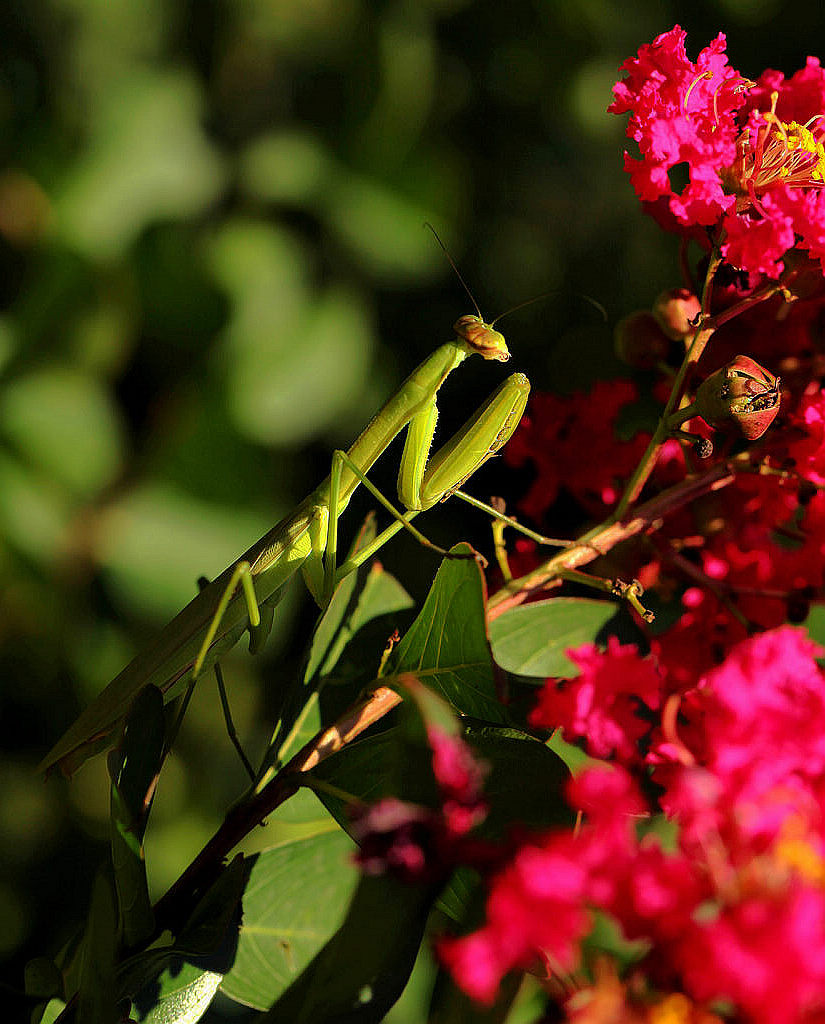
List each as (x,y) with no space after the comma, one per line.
(306,539)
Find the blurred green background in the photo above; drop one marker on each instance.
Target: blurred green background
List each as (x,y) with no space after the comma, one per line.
(213,270)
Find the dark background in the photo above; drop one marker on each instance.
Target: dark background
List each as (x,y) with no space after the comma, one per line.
(213,270)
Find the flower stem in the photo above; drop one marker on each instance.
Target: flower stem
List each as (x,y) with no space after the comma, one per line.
(604,537)
(697,346)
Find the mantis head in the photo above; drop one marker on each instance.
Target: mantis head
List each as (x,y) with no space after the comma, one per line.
(482,337)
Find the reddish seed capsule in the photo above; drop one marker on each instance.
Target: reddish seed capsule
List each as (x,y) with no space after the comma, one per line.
(676,311)
(639,342)
(744,393)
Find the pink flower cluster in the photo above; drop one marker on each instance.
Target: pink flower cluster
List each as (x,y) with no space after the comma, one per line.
(703,837)
(555,432)
(702,832)
(735,911)
(417,843)
(752,151)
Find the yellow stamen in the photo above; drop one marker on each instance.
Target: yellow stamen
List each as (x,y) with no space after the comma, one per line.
(674,1009)
(704,77)
(797,854)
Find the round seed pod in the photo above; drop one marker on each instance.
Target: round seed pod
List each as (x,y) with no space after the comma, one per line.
(743,393)
(639,341)
(676,311)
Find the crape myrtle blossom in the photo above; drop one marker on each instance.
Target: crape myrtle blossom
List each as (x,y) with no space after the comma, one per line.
(422,844)
(603,704)
(733,910)
(752,151)
(702,838)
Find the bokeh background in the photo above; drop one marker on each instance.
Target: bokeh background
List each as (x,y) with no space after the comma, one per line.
(213,269)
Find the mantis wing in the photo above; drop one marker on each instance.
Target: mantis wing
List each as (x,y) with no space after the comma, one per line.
(169,660)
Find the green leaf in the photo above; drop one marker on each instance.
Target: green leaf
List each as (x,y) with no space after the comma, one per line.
(181,995)
(177,983)
(381,595)
(43,978)
(452,1006)
(463,891)
(208,925)
(364,769)
(446,647)
(96,993)
(363,969)
(531,639)
(325,646)
(363,598)
(815,623)
(523,787)
(364,602)
(53,1009)
(295,898)
(411,1008)
(524,783)
(137,759)
(136,765)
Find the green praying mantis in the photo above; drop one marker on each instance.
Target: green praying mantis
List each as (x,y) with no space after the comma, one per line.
(244,596)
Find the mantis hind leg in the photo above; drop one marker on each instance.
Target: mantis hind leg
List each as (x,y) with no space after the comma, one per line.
(243,576)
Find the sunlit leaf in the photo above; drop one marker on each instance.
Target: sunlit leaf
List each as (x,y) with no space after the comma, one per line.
(182,995)
(363,969)
(446,647)
(295,898)
(531,639)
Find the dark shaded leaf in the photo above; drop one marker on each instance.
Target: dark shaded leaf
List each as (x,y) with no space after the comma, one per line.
(96,994)
(135,766)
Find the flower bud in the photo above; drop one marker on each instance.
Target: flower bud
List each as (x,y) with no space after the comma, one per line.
(744,393)
(639,342)
(676,311)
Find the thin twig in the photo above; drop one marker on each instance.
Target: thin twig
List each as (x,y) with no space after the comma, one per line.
(173,907)
(607,535)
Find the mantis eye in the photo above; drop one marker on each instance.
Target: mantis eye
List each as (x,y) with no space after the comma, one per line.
(743,392)
(482,338)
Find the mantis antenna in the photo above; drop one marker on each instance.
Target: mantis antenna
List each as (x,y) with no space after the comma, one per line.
(521,305)
(446,252)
